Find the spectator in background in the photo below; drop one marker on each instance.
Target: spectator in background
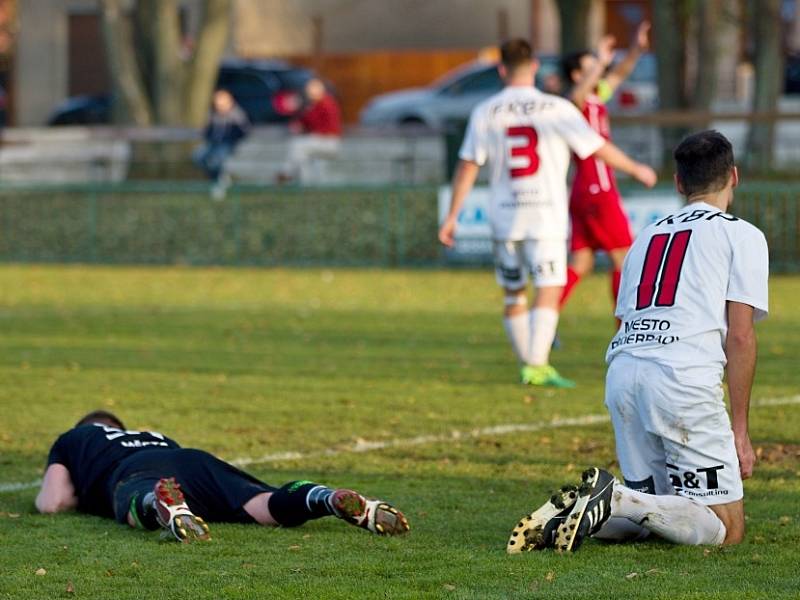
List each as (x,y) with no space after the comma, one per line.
(227,126)
(316,132)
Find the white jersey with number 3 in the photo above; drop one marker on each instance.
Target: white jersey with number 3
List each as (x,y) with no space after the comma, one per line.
(677,278)
(526,137)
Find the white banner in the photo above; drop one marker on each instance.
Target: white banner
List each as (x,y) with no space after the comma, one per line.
(474,235)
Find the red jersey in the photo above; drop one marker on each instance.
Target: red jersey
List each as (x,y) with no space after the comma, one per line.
(593,176)
(322,118)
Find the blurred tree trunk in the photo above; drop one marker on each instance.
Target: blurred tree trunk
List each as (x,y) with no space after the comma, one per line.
(574,24)
(766,25)
(670,25)
(707,14)
(167,75)
(131,102)
(205,64)
(152,81)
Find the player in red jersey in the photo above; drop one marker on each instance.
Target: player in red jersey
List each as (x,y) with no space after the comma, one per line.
(598,219)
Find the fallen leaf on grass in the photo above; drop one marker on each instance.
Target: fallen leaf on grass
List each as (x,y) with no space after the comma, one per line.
(551,576)
(784,520)
(449,587)
(294,547)
(40,572)
(631,575)
(655,572)
(70,588)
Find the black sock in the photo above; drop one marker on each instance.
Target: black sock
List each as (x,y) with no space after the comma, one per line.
(299,501)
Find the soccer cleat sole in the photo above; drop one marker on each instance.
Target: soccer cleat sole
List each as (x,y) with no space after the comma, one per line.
(190,528)
(174,514)
(376,516)
(566,533)
(530,532)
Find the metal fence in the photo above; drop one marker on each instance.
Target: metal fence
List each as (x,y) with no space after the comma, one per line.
(179,223)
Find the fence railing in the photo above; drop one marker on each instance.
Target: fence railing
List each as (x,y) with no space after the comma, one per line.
(179,223)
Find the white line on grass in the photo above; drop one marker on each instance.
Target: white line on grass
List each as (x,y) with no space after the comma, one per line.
(454,436)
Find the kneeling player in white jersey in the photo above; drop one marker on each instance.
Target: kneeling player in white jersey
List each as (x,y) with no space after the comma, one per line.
(692,286)
(526,137)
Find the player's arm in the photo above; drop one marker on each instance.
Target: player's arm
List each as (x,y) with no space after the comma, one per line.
(57,493)
(741,349)
(587,85)
(617,159)
(463,180)
(623,69)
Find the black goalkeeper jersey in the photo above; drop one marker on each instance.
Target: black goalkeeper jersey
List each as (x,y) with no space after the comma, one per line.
(92,452)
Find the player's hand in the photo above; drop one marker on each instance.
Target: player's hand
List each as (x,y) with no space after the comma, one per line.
(646,175)
(747,458)
(605,50)
(643,36)
(447,232)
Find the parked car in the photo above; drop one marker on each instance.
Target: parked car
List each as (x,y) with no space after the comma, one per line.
(260,87)
(453,96)
(792,75)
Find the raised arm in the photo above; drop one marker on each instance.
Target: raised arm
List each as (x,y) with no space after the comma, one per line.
(740,349)
(587,85)
(617,159)
(57,493)
(623,69)
(463,180)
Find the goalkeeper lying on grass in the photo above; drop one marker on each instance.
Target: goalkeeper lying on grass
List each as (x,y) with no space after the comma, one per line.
(147,480)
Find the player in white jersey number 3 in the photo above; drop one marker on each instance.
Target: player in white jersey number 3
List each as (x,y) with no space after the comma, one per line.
(693,284)
(526,137)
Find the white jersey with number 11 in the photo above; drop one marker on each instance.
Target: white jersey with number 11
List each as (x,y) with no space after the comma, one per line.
(677,279)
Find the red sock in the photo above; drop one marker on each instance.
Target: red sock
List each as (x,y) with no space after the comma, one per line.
(572,280)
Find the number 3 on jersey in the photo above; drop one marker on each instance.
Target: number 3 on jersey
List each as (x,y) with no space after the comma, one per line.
(667,283)
(523,145)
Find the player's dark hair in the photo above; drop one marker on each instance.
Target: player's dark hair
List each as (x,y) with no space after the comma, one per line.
(515,53)
(703,162)
(572,62)
(100,416)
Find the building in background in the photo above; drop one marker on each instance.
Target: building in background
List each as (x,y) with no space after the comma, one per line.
(363,47)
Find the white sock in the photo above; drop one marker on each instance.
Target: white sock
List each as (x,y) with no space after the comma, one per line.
(675,518)
(518,330)
(544,322)
(620,529)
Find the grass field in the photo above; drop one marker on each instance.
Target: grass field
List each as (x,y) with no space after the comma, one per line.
(254,363)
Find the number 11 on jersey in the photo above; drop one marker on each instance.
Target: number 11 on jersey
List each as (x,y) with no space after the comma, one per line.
(667,282)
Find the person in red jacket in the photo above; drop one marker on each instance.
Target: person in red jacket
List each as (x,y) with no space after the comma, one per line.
(317,129)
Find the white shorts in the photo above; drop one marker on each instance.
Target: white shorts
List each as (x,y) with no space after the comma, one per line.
(543,260)
(672,436)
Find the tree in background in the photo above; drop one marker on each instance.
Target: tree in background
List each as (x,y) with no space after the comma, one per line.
(574,16)
(683,27)
(156,77)
(765,19)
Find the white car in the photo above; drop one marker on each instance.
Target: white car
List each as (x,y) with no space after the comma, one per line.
(452,97)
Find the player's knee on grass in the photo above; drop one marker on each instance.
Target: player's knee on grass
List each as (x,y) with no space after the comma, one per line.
(732,516)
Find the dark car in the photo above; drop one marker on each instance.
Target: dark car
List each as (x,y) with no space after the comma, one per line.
(260,87)
(791,83)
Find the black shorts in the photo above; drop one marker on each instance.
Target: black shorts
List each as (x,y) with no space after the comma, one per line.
(214,489)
